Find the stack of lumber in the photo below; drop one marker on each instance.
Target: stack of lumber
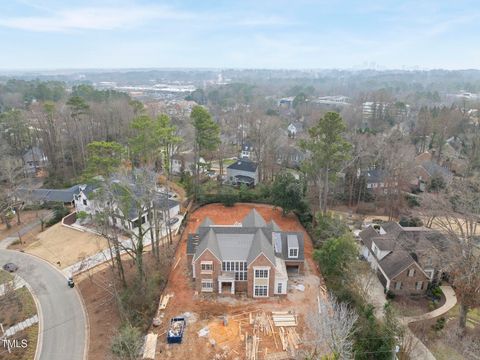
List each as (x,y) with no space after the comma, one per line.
(164,301)
(261,323)
(289,339)
(284,318)
(150,346)
(251,346)
(277,356)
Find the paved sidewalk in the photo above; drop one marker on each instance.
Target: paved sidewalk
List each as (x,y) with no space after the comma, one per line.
(17,282)
(420,351)
(20,326)
(450,301)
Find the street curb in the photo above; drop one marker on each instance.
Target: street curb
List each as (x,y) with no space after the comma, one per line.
(38,348)
(87,323)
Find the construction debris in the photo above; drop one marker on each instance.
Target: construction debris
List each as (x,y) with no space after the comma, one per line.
(150,346)
(204,331)
(164,301)
(284,318)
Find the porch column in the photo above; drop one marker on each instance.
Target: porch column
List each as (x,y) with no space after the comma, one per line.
(233,287)
(219,286)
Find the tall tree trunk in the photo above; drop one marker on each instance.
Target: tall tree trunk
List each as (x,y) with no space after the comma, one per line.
(462,320)
(325,192)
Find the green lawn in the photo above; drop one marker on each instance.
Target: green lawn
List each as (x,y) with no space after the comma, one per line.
(5,277)
(444,352)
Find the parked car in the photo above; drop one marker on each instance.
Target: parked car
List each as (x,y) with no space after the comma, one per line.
(172,221)
(10,267)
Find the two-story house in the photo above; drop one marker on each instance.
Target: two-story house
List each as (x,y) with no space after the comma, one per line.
(243,171)
(406,259)
(86,201)
(253,257)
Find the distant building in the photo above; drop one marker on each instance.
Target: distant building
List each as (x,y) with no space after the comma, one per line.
(247,151)
(43,196)
(290,156)
(243,171)
(34,160)
(253,257)
(184,162)
(377,181)
(294,128)
(335,101)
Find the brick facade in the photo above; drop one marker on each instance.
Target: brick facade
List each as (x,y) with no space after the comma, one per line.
(217,268)
(261,260)
(409,282)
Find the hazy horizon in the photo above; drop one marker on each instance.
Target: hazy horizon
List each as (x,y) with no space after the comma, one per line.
(42,35)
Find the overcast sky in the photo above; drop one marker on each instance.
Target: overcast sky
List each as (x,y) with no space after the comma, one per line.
(49,34)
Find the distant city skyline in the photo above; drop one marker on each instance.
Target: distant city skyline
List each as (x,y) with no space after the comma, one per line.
(306,34)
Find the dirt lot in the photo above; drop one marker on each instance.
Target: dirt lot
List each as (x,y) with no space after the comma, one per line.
(202,311)
(67,246)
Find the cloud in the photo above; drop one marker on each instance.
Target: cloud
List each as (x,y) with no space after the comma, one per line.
(94,18)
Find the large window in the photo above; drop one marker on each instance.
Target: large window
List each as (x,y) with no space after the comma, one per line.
(293,253)
(411,272)
(419,285)
(263,274)
(261,291)
(238,267)
(207,285)
(206,267)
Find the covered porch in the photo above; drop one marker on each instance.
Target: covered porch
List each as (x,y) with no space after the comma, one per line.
(226,282)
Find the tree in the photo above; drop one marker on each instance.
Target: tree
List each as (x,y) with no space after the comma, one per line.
(104,158)
(335,255)
(127,343)
(287,193)
(166,139)
(328,149)
(142,144)
(207,137)
(334,326)
(457,214)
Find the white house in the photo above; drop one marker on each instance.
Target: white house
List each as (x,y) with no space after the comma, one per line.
(243,171)
(184,162)
(85,201)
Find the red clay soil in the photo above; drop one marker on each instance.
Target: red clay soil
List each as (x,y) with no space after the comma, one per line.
(209,309)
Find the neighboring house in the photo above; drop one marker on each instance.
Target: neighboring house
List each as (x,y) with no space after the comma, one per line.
(243,171)
(85,201)
(41,196)
(34,160)
(406,259)
(290,156)
(425,169)
(294,128)
(253,257)
(184,162)
(247,151)
(377,181)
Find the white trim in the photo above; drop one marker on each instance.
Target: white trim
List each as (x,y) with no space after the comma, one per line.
(207,289)
(266,280)
(293,248)
(211,252)
(266,257)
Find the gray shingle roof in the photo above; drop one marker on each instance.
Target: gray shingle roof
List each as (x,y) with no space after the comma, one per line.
(274,226)
(254,219)
(261,245)
(209,241)
(49,195)
(395,262)
(207,222)
(244,165)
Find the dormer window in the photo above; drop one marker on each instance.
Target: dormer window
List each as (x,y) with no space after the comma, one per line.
(293,253)
(292,246)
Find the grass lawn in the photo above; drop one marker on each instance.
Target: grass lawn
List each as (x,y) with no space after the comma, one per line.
(16,307)
(228,162)
(444,352)
(5,277)
(30,334)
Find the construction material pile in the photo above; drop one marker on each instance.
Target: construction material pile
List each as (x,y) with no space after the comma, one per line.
(176,328)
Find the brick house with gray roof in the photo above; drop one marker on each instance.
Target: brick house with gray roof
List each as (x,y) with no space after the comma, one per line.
(252,257)
(406,259)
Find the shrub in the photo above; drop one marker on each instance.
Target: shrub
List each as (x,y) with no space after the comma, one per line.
(127,343)
(82,215)
(59,212)
(439,324)
(410,221)
(390,295)
(412,201)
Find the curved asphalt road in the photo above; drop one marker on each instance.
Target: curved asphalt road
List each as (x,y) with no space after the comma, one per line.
(62,318)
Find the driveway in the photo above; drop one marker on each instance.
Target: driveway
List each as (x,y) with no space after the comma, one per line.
(61,314)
